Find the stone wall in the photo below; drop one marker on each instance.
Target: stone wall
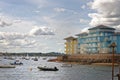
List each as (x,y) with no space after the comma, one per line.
(90,58)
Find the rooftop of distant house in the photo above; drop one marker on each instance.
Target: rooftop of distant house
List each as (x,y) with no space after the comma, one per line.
(70,38)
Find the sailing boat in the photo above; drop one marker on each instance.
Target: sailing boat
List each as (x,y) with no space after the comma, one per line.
(27,57)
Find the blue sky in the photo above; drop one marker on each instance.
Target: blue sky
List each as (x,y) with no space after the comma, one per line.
(42,25)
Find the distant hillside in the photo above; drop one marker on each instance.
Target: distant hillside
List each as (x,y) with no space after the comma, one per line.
(34,54)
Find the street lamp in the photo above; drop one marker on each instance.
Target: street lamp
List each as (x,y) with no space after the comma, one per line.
(113,45)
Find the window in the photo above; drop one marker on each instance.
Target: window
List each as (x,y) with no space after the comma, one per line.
(106,34)
(114,38)
(101,34)
(98,38)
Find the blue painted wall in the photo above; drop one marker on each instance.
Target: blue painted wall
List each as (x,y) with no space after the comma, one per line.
(101,36)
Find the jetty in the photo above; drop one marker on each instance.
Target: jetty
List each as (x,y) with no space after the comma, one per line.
(7,66)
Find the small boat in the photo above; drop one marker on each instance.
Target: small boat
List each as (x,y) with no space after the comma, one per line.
(35,59)
(27,57)
(44,58)
(17,62)
(7,66)
(47,69)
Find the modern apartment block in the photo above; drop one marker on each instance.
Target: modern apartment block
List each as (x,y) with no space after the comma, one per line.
(71,45)
(98,40)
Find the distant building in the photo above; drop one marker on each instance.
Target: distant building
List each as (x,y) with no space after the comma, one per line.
(98,40)
(82,44)
(70,45)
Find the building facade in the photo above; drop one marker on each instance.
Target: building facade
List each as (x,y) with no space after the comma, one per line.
(70,45)
(98,40)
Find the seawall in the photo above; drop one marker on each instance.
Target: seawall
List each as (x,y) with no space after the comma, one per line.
(89,58)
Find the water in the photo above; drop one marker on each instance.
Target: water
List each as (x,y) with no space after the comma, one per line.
(76,72)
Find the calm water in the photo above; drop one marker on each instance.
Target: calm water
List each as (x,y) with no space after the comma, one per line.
(76,72)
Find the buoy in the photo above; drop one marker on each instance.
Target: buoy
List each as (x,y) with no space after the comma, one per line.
(30,69)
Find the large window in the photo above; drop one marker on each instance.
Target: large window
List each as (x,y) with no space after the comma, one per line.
(114,37)
(98,38)
(101,34)
(106,34)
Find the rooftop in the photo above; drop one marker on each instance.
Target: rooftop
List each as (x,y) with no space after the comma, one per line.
(81,34)
(101,27)
(70,38)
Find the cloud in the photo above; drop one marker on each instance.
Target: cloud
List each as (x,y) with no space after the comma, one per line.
(4,24)
(14,39)
(5,21)
(83,21)
(18,43)
(11,35)
(59,9)
(22,43)
(107,12)
(41,31)
(83,6)
(85,30)
(17,21)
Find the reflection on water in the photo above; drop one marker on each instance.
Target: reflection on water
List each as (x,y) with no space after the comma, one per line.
(29,71)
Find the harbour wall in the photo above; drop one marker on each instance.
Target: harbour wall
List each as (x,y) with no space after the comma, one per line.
(90,58)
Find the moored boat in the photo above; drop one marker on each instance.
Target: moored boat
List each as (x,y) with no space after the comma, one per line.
(35,59)
(7,66)
(48,69)
(17,62)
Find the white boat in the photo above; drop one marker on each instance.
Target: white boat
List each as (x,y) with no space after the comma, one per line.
(27,57)
(7,66)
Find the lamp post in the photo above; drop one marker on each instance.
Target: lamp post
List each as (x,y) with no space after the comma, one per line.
(113,45)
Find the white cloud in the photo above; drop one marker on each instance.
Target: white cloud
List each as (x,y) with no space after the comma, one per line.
(11,36)
(5,21)
(41,31)
(22,43)
(59,9)
(4,24)
(14,39)
(18,43)
(83,6)
(85,30)
(83,21)
(108,12)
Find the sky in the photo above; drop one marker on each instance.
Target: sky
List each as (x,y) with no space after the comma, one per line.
(42,25)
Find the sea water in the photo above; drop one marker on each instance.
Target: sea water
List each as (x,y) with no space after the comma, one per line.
(29,71)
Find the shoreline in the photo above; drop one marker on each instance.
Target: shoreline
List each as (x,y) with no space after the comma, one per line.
(94,64)
(104,64)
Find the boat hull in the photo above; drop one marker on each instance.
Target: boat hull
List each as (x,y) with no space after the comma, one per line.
(47,69)
(16,63)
